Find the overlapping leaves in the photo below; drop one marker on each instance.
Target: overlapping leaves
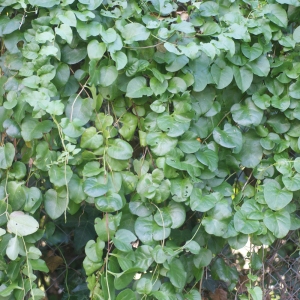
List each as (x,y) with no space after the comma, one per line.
(147,117)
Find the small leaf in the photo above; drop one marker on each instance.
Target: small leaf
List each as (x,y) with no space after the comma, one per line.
(7,154)
(13,248)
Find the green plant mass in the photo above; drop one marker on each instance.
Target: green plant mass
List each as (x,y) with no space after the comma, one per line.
(140,138)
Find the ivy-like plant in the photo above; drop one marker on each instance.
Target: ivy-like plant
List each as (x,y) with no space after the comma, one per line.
(169,128)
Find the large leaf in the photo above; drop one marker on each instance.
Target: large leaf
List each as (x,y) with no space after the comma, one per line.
(44,3)
(222,77)
(208,158)
(243,77)
(160,143)
(56,202)
(137,87)
(120,150)
(251,152)
(94,188)
(243,224)
(248,114)
(177,274)
(33,129)
(230,137)
(276,197)
(111,202)
(21,224)
(123,239)
(133,32)
(278,222)
(276,14)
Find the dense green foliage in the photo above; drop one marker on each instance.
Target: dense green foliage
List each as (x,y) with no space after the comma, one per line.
(159,131)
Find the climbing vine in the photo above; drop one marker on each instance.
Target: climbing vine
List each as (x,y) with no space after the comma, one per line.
(169,129)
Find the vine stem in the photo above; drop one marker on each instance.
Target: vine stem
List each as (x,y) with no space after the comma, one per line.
(80,92)
(27,262)
(163,223)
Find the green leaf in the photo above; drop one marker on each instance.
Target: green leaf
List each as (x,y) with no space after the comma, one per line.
(123,239)
(108,75)
(144,286)
(43,3)
(60,176)
(292,183)
(33,129)
(203,258)
(243,77)
(181,189)
(248,114)
(230,137)
(120,59)
(79,110)
(260,66)
(126,295)
(208,158)
(202,203)
(172,125)
(90,139)
(119,149)
(223,272)
(188,142)
(176,85)
(157,86)
(94,188)
(243,224)
(296,35)
(208,9)
(111,202)
(294,90)
(13,248)
(73,56)
(21,224)
(160,143)
(95,50)
(276,14)
(65,32)
(7,154)
(222,77)
(56,202)
(256,293)
(137,87)
(252,51)
(133,32)
(177,274)
(214,226)
(252,152)
(106,227)
(278,222)
(276,197)
(129,124)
